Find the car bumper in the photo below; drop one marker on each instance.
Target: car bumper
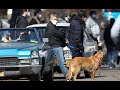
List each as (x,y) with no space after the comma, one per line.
(19,70)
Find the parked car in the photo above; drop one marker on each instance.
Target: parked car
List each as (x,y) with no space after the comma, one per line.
(23,53)
(62,27)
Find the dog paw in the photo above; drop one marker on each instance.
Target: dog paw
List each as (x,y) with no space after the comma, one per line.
(67,80)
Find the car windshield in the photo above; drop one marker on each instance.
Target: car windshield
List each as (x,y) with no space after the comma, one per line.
(18,35)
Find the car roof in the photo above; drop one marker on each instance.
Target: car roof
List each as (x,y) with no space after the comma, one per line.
(17,29)
(45,25)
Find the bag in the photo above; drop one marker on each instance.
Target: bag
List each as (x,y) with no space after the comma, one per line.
(92,46)
(90,49)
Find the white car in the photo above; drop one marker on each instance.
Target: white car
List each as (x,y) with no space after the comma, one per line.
(61,26)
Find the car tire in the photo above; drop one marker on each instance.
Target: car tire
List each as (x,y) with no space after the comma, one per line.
(35,77)
(49,76)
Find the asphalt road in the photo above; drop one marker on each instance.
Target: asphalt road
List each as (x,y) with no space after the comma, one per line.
(103,74)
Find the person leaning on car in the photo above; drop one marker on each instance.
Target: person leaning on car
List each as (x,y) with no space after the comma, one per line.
(55,41)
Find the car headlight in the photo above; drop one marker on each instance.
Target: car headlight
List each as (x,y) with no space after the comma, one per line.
(35,58)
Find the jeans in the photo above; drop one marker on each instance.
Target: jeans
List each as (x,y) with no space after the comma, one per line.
(112,56)
(75,50)
(58,52)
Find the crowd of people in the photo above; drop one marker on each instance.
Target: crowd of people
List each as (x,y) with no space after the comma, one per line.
(84,37)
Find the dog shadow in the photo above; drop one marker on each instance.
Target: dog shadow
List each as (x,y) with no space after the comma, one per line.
(83,77)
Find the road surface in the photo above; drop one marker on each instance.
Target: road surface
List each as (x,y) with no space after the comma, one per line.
(103,74)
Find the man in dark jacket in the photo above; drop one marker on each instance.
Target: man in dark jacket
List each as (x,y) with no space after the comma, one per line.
(55,41)
(111,48)
(21,21)
(75,34)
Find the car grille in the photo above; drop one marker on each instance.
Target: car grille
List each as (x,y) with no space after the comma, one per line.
(9,61)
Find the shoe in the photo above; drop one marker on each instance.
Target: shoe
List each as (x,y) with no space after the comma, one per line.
(110,67)
(113,65)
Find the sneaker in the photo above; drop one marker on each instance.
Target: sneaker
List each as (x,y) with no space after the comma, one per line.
(110,67)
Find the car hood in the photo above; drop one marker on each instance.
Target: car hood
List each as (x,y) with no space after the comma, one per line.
(20,50)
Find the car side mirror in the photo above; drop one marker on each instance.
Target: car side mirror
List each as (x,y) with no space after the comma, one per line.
(45,40)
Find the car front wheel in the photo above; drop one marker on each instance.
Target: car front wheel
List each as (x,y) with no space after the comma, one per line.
(35,77)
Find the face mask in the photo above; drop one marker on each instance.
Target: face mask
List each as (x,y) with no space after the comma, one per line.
(66,19)
(54,22)
(93,16)
(84,19)
(39,16)
(28,13)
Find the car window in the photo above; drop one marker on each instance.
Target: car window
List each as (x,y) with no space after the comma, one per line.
(41,31)
(18,35)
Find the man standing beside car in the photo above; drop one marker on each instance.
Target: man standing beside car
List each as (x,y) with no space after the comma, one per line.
(55,41)
(21,21)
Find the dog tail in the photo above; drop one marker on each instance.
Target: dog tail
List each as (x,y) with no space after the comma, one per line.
(69,74)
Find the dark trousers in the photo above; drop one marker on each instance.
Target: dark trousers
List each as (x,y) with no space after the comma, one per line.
(75,50)
(118,60)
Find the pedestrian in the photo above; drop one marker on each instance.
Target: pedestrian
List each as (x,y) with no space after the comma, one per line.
(21,21)
(36,18)
(91,36)
(74,35)
(55,41)
(111,48)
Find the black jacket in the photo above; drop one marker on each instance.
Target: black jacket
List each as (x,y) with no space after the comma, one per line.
(54,35)
(107,37)
(21,22)
(75,32)
(15,14)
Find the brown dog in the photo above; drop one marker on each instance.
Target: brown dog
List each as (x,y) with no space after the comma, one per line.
(89,64)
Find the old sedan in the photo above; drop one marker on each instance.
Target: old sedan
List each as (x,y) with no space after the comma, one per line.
(24,52)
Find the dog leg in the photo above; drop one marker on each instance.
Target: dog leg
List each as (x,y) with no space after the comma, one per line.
(76,71)
(69,74)
(68,79)
(93,75)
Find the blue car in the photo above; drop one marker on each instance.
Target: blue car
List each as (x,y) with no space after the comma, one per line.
(24,53)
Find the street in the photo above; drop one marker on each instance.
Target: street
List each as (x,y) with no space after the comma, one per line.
(103,74)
